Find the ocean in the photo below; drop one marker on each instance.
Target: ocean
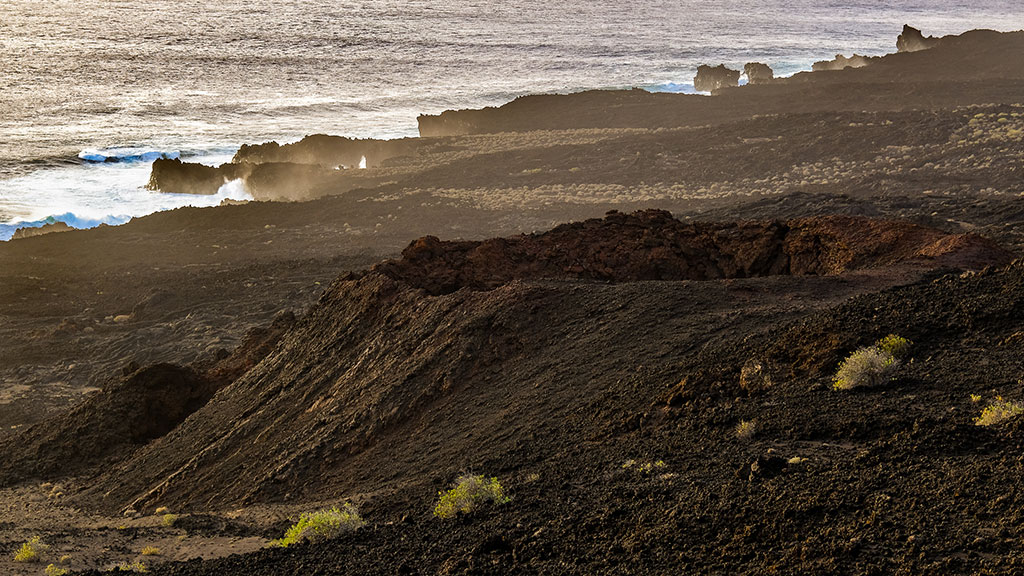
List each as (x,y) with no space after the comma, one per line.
(129,81)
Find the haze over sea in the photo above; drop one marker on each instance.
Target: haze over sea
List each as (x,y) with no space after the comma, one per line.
(131,80)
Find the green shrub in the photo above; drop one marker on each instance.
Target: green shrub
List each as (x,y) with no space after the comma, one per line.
(898,346)
(169,519)
(53,570)
(999,411)
(31,551)
(866,367)
(151,551)
(322,525)
(469,490)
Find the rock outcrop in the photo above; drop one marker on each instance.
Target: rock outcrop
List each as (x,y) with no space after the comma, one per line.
(328,151)
(177,177)
(758,73)
(841,62)
(652,245)
(912,40)
(48,228)
(711,78)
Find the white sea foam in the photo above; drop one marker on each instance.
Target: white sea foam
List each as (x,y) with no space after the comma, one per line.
(128,154)
(94,193)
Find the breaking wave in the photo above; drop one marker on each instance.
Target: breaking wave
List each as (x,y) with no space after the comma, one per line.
(112,155)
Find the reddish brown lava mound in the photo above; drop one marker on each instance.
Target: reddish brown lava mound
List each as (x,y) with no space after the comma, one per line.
(652,245)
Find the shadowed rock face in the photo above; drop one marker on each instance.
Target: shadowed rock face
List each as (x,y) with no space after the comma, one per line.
(177,177)
(652,245)
(711,78)
(912,40)
(758,73)
(142,405)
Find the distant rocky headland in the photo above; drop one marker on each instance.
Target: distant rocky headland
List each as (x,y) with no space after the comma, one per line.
(925,73)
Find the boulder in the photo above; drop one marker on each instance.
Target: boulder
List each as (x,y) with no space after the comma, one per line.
(711,78)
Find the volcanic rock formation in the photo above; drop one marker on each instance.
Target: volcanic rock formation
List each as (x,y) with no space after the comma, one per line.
(841,62)
(384,352)
(177,177)
(652,245)
(912,40)
(711,78)
(758,73)
(328,151)
(48,228)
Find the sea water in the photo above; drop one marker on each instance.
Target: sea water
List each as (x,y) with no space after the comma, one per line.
(91,92)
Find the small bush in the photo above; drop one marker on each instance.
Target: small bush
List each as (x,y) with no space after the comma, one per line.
(53,570)
(999,411)
(31,551)
(866,367)
(468,492)
(322,525)
(151,551)
(169,519)
(746,429)
(872,365)
(897,346)
(162,510)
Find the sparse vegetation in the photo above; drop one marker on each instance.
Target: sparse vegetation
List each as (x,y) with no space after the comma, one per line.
(645,467)
(898,346)
(469,491)
(866,367)
(999,411)
(162,510)
(746,429)
(169,519)
(151,551)
(872,365)
(31,551)
(130,567)
(54,570)
(322,525)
